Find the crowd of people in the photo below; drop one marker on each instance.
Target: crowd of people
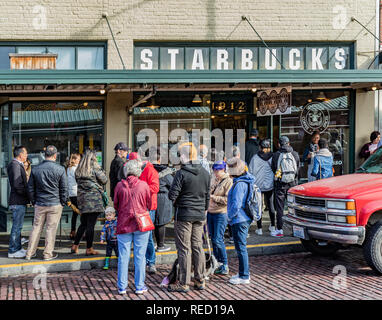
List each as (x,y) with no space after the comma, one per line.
(205,197)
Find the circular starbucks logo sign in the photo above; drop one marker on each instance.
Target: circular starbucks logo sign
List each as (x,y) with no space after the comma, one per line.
(314,117)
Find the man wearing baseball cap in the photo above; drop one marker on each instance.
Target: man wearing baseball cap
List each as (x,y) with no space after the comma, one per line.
(281,188)
(116,174)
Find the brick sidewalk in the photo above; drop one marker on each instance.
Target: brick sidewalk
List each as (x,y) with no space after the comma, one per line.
(288,276)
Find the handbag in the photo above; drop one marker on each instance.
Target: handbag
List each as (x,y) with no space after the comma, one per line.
(144,221)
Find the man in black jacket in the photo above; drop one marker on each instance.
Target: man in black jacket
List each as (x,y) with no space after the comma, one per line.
(251,146)
(116,166)
(281,188)
(48,192)
(190,194)
(18,199)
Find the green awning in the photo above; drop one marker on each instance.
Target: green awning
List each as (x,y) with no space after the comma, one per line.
(8,77)
(170,110)
(58,116)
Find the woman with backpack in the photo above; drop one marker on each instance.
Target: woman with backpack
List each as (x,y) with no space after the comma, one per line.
(90,178)
(240,222)
(260,168)
(217,221)
(323,161)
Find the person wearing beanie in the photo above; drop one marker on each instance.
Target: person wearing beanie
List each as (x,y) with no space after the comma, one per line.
(288,157)
(251,146)
(260,168)
(240,222)
(217,220)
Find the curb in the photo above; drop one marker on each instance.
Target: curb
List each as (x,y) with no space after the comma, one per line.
(66,265)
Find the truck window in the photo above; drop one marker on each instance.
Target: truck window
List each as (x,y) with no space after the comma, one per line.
(373,164)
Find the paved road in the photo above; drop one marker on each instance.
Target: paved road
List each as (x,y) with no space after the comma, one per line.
(287,276)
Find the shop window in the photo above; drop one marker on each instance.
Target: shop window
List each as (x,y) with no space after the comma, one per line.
(90,58)
(4,57)
(66,57)
(309,114)
(5,154)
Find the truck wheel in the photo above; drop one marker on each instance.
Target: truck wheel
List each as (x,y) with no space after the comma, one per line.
(314,247)
(372,249)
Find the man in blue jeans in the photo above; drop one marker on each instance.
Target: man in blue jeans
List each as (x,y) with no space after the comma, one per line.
(18,199)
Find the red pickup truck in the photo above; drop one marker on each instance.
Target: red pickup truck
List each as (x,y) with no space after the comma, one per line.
(329,213)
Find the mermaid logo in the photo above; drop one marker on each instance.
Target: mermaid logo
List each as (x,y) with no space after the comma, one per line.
(315,117)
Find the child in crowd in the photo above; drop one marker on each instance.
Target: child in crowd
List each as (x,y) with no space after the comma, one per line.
(109,235)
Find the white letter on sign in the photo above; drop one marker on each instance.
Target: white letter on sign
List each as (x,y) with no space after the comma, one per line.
(148,64)
(268,64)
(173,53)
(294,64)
(316,59)
(340,57)
(222,59)
(197,61)
(246,59)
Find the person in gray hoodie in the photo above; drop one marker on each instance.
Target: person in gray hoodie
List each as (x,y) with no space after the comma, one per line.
(260,168)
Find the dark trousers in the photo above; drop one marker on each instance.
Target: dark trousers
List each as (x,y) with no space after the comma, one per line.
(73,200)
(88,221)
(160,232)
(110,246)
(280,197)
(268,197)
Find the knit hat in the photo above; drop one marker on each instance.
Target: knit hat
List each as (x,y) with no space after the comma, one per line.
(236,167)
(284,140)
(266,143)
(219,165)
(254,132)
(134,156)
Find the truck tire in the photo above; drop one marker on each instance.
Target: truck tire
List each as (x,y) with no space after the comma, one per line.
(320,250)
(372,249)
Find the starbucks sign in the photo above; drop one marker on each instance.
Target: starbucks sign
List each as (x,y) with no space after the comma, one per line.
(314,117)
(245,56)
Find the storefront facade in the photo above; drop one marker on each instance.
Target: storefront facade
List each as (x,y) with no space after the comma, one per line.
(180,52)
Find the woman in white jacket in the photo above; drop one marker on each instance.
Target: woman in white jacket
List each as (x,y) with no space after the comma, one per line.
(260,168)
(72,186)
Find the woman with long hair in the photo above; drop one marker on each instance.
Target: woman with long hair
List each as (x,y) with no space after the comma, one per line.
(90,180)
(74,160)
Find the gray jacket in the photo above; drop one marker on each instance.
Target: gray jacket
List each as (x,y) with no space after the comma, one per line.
(262,171)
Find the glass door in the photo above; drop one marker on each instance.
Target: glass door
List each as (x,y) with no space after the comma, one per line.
(5,154)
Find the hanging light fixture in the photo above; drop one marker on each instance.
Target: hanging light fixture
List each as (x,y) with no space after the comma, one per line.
(153,105)
(141,98)
(197,99)
(321,96)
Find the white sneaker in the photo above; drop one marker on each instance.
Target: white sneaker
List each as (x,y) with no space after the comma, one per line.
(259,232)
(239,281)
(18,254)
(24,241)
(271,228)
(277,233)
(237,276)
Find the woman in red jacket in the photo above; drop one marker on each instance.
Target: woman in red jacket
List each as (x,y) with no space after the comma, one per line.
(131,195)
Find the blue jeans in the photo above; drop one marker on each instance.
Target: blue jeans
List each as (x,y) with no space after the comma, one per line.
(150,253)
(217,223)
(140,240)
(18,213)
(239,233)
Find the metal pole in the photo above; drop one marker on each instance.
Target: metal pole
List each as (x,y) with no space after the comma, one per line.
(253,28)
(115,43)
